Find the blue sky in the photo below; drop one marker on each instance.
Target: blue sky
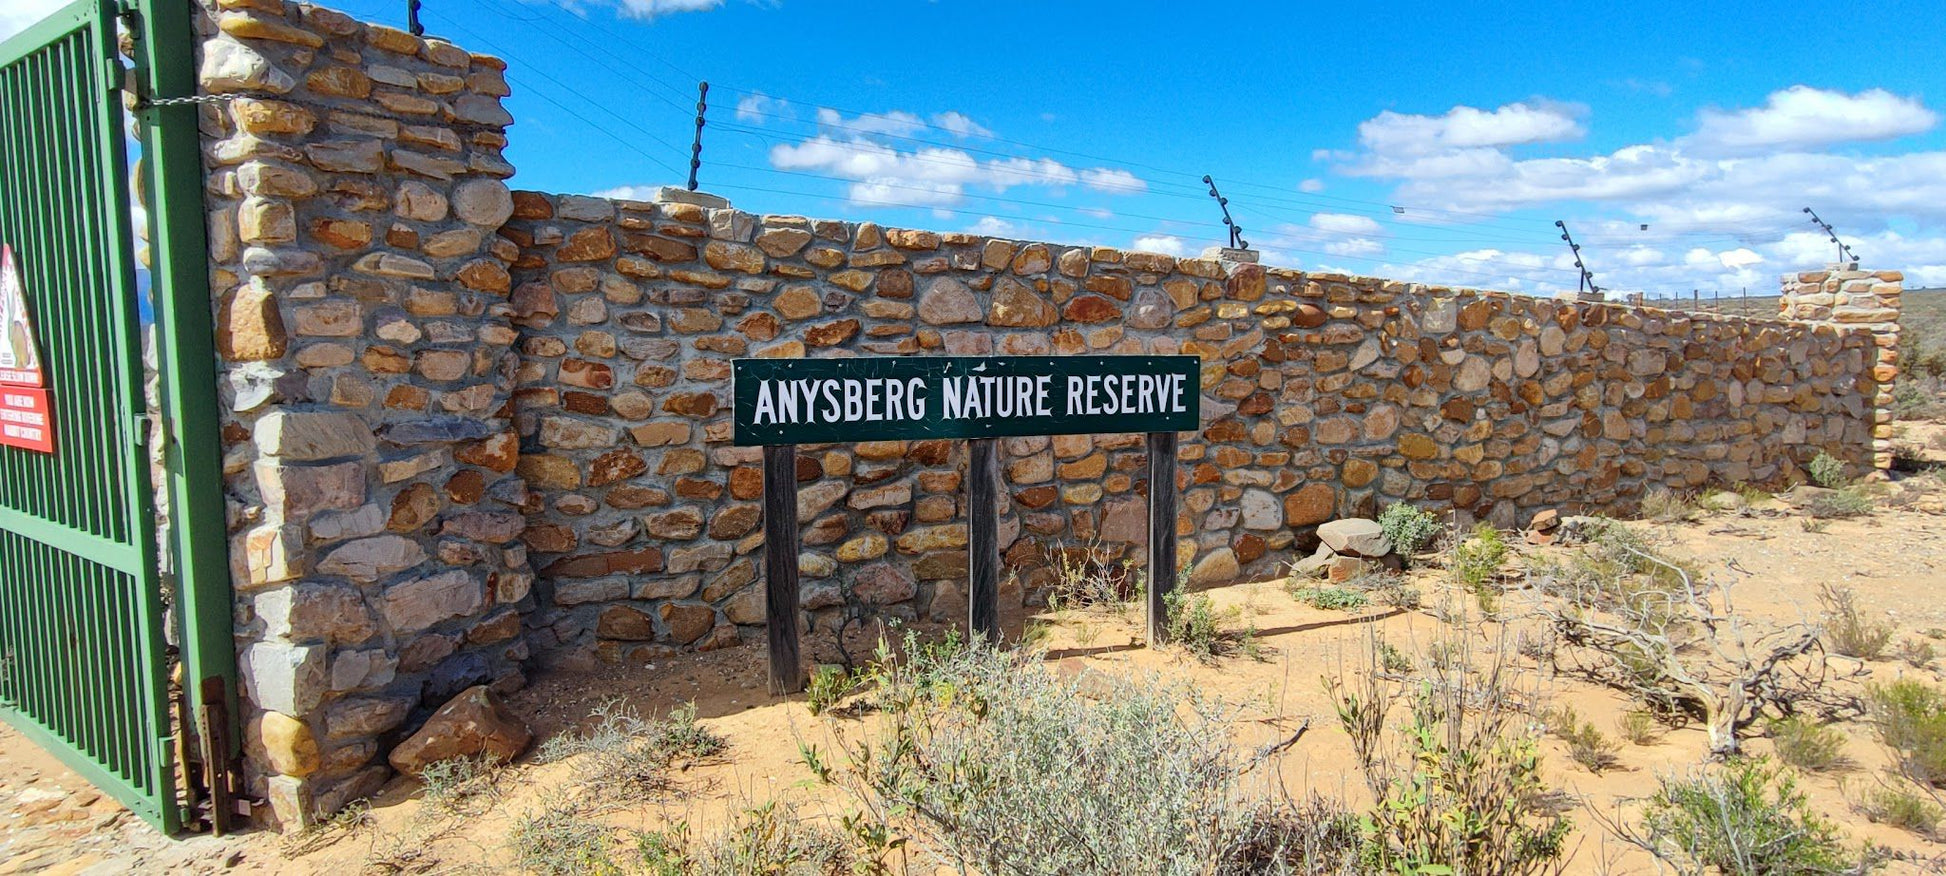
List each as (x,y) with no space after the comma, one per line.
(1714,124)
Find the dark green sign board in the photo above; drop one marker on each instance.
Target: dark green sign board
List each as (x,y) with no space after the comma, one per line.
(813,401)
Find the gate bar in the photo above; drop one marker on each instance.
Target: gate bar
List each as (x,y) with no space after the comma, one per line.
(165,65)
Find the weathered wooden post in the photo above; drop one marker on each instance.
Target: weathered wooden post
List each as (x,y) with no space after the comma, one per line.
(983,538)
(1162,532)
(780,567)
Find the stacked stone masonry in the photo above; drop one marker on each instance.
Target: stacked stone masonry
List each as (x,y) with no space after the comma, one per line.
(1324,396)
(471,428)
(355,187)
(1842,295)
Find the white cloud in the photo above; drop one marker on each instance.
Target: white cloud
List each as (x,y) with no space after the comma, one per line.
(758,106)
(993,226)
(897,123)
(628,193)
(655,8)
(1722,202)
(1802,116)
(1738,258)
(882,174)
(959,125)
(1357,246)
(16,15)
(1465,127)
(1344,223)
(1311,185)
(1116,180)
(1166,244)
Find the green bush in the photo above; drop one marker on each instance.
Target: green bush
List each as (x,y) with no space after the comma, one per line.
(1807,745)
(1839,504)
(1408,528)
(1745,818)
(1331,598)
(1477,559)
(1910,717)
(1457,785)
(1827,470)
(1192,622)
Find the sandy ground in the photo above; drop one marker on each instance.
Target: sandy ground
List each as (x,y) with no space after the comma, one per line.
(52,822)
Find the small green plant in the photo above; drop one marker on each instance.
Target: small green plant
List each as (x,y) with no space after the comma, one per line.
(1331,598)
(1391,659)
(1196,625)
(1477,559)
(629,756)
(1457,783)
(1088,578)
(460,785)
(1639,727)
(1813,525)
(1192,622)
(1827,471)
(829,684)
(1387,588)
(1587,745)
(1848,629)
(1910,717)
(1901,807)
(1917,654)
(1409,529)
(1747,818)
(561,840)
(1808,746)
(1839,505)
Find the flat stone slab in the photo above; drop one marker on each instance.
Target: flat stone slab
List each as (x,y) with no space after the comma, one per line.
(1355,536)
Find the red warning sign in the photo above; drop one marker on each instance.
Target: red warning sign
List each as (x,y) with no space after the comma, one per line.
(26,415)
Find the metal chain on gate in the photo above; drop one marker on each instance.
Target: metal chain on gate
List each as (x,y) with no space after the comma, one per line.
(178,101)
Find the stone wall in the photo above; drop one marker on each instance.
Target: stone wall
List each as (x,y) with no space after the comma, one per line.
(1324,396)
(354,187)
(1846,297)
(436,386)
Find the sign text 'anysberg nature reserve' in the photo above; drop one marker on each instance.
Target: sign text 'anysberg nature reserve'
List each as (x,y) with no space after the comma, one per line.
(809,401)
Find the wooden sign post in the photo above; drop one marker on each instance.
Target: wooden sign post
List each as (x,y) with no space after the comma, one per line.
(781,403)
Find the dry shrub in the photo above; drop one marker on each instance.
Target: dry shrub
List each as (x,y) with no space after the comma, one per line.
(1649,626)
(1808,745)
(991,764)
(1847,628)
(1664,505)
(1910,717)
(1587,745)
(1088,577)
(628,756)
(1457,784)
(1899,806)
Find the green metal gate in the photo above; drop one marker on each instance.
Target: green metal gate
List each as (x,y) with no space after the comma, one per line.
(83,665)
